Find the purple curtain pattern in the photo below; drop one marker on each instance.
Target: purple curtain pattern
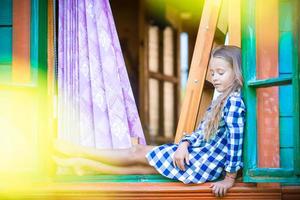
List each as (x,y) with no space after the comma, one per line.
(96,106)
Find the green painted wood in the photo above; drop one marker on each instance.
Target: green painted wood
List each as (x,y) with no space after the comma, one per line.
(39,39)
(5,40)
(6,12)
(283,80)
(248,69)
(296,84)
(114,178)
(274,172)
(288,97)
(5,73)
(286,16)
(293,180)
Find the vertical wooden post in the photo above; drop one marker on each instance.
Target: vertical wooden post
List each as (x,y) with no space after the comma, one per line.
(267,21)
(143,70)
(21,41)
(267,67)
(161,117)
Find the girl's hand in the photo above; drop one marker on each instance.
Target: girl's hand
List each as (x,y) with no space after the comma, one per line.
(181,155)
(220,188)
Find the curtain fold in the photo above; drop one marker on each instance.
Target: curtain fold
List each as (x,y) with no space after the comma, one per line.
(96,106)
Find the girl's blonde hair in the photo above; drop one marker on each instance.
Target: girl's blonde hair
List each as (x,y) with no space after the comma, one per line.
(231,54)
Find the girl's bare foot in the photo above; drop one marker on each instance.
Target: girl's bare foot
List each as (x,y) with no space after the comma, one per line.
(67,148)
(79,166)
(72,163)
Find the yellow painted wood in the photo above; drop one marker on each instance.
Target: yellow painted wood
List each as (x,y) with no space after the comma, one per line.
(234,22)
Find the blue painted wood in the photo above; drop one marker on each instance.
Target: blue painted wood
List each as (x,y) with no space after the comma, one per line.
(5,53)
(286,101)
(287,94)
(5,45)
(6,12)
(296,85)
(288,82)
(286,132)
(287,157)
(34,30)
(285,52)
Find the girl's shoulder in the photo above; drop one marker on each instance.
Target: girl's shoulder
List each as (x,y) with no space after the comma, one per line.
(235,99)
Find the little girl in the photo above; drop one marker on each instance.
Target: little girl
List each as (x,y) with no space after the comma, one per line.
(215,148)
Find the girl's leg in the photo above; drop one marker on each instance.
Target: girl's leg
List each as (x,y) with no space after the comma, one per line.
(120,157)
(83,166)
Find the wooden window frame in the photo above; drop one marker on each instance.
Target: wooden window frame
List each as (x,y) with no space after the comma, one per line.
(252,173)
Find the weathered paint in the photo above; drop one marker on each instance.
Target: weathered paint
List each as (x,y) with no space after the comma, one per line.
(267,98)
(21,41)
(296,85)
(288,102)
(5,40)
(248,67)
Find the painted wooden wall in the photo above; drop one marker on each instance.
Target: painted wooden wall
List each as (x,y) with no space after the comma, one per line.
(23,82)
(270,67)
(286,101)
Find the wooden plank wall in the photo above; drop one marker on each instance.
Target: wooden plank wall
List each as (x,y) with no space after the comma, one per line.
(267,98)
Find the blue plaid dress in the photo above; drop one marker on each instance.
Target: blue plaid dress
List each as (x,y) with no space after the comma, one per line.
(208,159)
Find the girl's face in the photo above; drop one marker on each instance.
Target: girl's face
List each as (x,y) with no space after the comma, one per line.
(222,73)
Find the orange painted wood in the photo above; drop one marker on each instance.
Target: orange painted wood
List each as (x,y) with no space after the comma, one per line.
(291,193)
(21,41)
(50,74)
(146,191)
(206,99)
(267,30)
(222,24)
(234,22)
(198,69)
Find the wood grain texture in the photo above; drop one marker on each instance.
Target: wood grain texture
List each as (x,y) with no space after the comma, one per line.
(149,191)
(198,69)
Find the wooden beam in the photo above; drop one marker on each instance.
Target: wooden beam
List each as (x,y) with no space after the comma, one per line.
(148,190)
(163,77)
(143,70)
(234,22)
(196,80)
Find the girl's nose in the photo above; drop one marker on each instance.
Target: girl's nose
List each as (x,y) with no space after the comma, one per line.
(214,78)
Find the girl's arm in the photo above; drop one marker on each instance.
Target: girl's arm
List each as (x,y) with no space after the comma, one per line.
(234,117)
(190,138)
(234,120)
